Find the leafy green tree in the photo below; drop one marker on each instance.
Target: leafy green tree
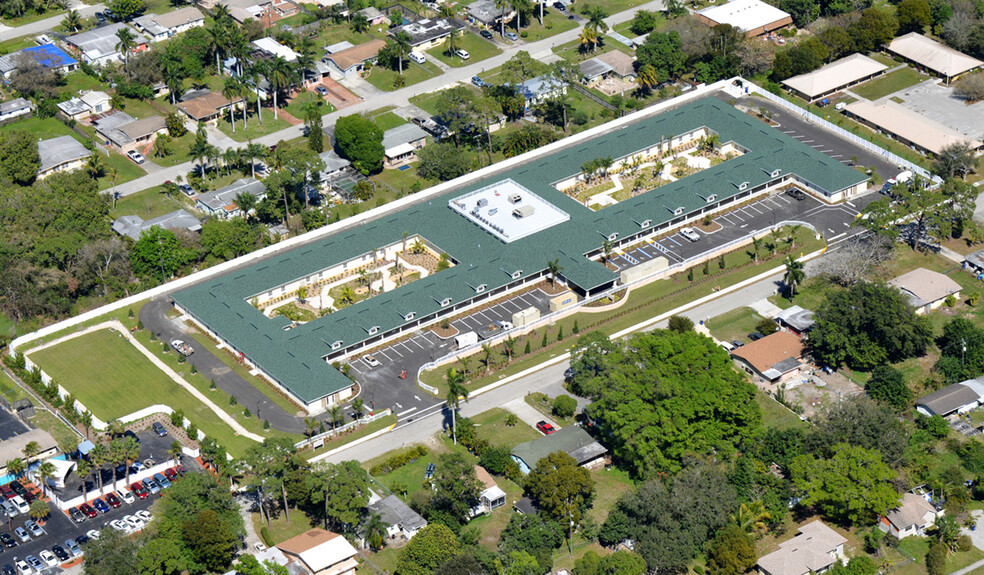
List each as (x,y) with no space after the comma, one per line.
(622,562)
(521,563)
(802,11)
(887,385)
(936,425)
(248,565)
(532,534)
(210,540)
(913,16)
(182,506)
(875,28)
(442,161)
(936,559)
(732,552)
(361,141)
(853,486)
(645,21)
(647,396)
(957,159)
(561,489)
(680,324)
(19,159)
(862,422)
(342,490)
(429,548)
(158,254)
(161,556)
(564,406)
(228,239)
(126,9)
(663,52)
(112,554)
(456,489)
(866,325)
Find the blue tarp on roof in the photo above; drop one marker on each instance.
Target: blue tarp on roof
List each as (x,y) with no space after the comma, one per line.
(50,56)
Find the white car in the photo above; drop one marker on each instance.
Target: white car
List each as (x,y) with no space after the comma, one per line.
(690,233)
(23,568)
(121,526)
(92,534)
(417,57)
(371,361)
(463,54)
(134,522)
(144,515)
(21,505)
(260,548)
(126,496)
(136,156)
(49,558)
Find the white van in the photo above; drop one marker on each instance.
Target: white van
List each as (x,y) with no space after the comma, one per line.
(417,57)
(463,54)
(902,178)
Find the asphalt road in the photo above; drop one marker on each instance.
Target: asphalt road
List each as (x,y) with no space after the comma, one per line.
(154,317)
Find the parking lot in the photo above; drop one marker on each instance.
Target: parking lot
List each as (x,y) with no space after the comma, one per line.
(11,426)
(938,102)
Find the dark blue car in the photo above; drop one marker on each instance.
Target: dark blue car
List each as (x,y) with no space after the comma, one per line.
(101,506)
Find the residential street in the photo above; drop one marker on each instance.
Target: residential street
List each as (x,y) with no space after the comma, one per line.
(48,24)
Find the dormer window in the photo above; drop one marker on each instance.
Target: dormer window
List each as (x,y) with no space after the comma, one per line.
(336,345)
(775,173)
(409,316)
(445,302)
(678,211)
(480,288)
(712,198)
(516,274)
(646,223)
(612,237)
(372,330)
(743,186)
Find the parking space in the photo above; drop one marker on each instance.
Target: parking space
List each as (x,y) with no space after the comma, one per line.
(10,426)
(486,320)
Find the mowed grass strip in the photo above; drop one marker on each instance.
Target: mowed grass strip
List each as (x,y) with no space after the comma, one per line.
(112,379)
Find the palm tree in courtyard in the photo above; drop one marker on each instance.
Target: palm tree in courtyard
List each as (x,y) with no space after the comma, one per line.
(83,468)
(456,392)
(794,275)
(16,467)
(554,268)
(45,472)
(358,406)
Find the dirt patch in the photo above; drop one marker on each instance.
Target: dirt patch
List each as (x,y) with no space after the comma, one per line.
(445,333)
(424,260)
(552,289)
(709,228)
(820,392)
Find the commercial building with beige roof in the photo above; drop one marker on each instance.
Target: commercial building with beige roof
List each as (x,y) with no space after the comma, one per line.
(753,17)
(908,127)
(836,76)
(933,56)
(815,549)
(926,289)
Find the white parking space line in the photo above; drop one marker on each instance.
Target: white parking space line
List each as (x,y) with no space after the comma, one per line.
(797,136)
(406,348)
(807,141)
(816,146)
(382,352)
(735,215)
(753,208)
(394,350)
(788,131)
(835,156)
(787,200)
(673,240)
(417,343)
(777,205)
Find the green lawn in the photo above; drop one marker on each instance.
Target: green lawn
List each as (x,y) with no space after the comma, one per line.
(299,104)
(428,102)
(180,149)
(387,120)
(400,182)
(147,204)
(66,438)
(280,530)
(776,415)
(491,426)
(919,546)
(477,48)
(78,81)
(253,127)
(126,170)
(127,383)
(32,17)
(413,73)
(42,129)
(16,44)
(610,484)
(735,324)
(554,22)
(490,526)
(883,59)
(10,390)
(890,83)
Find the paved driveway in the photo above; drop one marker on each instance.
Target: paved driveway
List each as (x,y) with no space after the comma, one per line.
(525,412)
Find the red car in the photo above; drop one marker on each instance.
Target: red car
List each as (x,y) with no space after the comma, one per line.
(139,490)
(113,501)
(87,509)
(8,492)
(545,428)
(171,474)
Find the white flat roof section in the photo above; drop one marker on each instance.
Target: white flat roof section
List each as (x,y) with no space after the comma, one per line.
(744,14)
(508,210)
(929,53)
(908,125)
(835,75)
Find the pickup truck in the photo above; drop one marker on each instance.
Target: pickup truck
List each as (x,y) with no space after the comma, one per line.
(182,347)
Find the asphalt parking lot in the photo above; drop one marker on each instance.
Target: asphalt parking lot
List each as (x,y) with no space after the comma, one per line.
(939,103)
(10,426)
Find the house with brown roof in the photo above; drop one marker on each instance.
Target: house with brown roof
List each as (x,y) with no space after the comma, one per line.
(774,358)
(814,550)
(123,132)
(207,106)
(925,289)
(912,517)
(321,552)
(622,65)
(491,497)
(350,62)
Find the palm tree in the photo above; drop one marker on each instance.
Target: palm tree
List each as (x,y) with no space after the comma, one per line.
(232,89)
(456,391)
(588,37)
(756,246)
(16,467)
(98,457)
(791,238)
(172,72)
(487,357)
(83,468)
(252,152)
(45,472)
(175,451)
(162,145)
(359,23)
(335,414)
(454,42)
(358,406)
(648,77)
(509,347)
(375,532)
(115,458)
(523,9)
(256,72)
(502,5)
(794,275)
(200,149)
(606,250)
(38,510)
(130,450)
(280,75)
(72,21)
(94,166)
(554,268)
(31,449)
(125,44)
(596,19)
(218,40)
(751,517)
(401,43)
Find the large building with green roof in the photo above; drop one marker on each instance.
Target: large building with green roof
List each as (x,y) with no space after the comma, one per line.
(507,250)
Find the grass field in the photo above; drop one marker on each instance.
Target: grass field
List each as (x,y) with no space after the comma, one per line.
(890,83)
(776,415)
(735,324)
(280,530)
(477,48)
(428,102)
(147,204)
(112,378)
(387,120)
(554,22)
(253,128)
(491,426)
(413,73)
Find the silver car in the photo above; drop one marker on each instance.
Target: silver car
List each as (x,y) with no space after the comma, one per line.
(21,534)
(73,547)
(9,509)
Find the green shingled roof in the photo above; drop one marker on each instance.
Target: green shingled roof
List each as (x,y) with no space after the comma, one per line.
(294,358)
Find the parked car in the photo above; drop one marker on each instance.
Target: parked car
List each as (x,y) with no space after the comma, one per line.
(136,156)
(88,511)
(126,496)
(139,490)
(48,558)
(145,515)
(429,472)
(21,534)
(478,81)
(33,528)
(322,91)
(371,361)
(159,429)
(463,54)
(181,470)
(7,492)
(260,548)
(137,467)
(7,540)
(134,522)
(120,526)
(20,504)
(28,497)
(485,34)
(511,36)
(8,570)
(756,335)
(60,553)
(796,194)
(131,435)
(9,509)
(73,547)
(100,17)
(187,190)
(417,57)
(34,562)
(100,505)
(171,474)
(690,233)
(560,6)
(17,487)
(545,428)
(161,480)
(23,568)
(152,485)
(113,500)
(91,534)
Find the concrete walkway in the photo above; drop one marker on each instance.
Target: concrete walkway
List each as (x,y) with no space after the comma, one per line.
(47,24)
(527,413)
(119,327)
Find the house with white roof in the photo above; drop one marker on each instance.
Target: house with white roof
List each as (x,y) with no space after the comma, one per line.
(98,46)
(271,49)
(222,202)
(930,55)
(400,145)
(400,519)
(954,399)
(321,552)
(753,17)
(61,154)
(133,226)
(835,76)
(911,517)
(13,109)
(428,32)
(926,289)
(491,497)
(814,550)
(161,27)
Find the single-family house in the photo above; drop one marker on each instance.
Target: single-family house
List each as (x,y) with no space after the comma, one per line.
(207,106)
(133,226)
(316,73)
(594,70)
(401,521)
(374,16)
(61,154)
(796,319)
(47,56)
(349,62)
(486,13)
(400,145)
(266,12)
(926,289)
(814,550)
(13,109)
(123,132)
(911,517)
(572,440)
(89,103)
(491,497)
(775,358)
(161,27)
(321,552)
(222,202)
(428,32)
(98,46)
(622,65)
(975,263)
(98,102)
(334,166)
(270,48)
(540,89)
(953,399)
